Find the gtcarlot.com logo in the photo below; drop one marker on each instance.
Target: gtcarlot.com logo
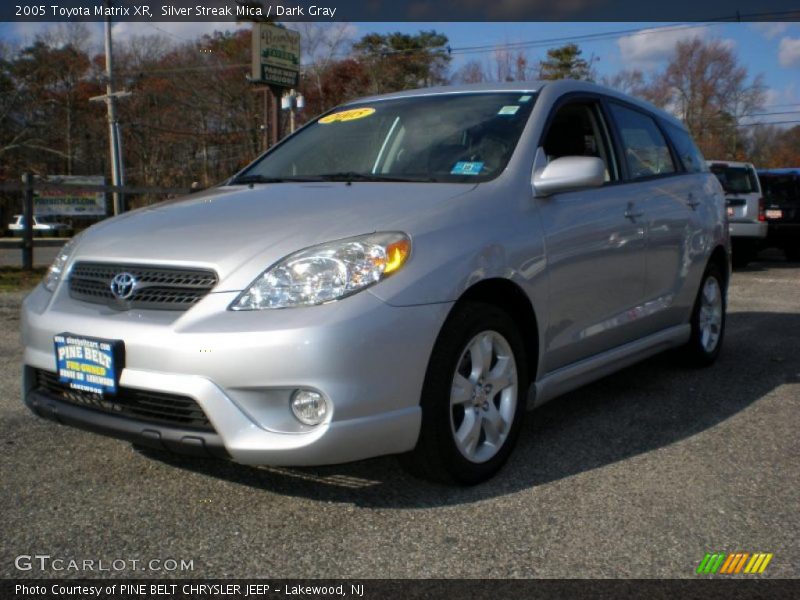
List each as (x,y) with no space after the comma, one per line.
(45,562)
(733,564)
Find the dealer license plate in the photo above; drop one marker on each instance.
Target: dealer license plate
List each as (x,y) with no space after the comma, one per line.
(89,364)
(773,213)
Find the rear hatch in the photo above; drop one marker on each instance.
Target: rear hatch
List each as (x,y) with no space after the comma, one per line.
(742,191)
(782,197)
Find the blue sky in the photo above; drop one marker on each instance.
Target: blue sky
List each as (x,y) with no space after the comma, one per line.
(772,49)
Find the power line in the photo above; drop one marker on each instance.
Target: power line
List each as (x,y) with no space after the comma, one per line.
(768,123)
(766,114)
(577,38)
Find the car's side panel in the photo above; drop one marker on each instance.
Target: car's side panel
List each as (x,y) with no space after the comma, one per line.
(595,263)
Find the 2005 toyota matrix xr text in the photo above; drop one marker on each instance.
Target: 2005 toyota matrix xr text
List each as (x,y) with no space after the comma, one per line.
(404,275)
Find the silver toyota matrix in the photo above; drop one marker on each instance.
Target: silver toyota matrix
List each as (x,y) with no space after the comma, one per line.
(405,275)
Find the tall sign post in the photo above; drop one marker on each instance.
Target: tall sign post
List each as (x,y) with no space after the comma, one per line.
(276,64)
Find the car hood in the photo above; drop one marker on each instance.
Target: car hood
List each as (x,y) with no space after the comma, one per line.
(240,230)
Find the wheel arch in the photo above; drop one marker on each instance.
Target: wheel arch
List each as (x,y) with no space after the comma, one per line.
(509,297)
(719,257)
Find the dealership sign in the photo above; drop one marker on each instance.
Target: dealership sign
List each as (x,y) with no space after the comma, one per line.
(70,202)
(276,55)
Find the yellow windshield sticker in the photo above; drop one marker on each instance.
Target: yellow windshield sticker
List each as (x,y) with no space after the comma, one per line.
(347,115)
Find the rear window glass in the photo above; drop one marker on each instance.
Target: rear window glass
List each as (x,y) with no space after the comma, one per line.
(646,150)
(688,152)
(735,180)
(781,188)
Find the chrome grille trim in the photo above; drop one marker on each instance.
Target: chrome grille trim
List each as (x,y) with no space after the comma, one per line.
(158,287)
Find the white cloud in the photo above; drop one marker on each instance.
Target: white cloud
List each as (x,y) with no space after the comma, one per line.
(770,30)
(647,48)
(178,32)
(789,52)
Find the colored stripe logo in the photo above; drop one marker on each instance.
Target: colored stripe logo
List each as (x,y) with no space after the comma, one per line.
(735,563)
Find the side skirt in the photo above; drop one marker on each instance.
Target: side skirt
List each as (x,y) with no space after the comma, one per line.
(573,376)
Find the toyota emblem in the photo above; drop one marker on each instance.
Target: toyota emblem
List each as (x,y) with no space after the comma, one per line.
(123,285)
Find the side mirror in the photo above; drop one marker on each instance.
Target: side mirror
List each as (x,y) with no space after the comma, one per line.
(569,173)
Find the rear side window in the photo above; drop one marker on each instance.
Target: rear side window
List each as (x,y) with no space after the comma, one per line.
(689,154)
(645,149)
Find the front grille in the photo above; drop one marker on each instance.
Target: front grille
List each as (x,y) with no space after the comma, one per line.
(155,407)
(157,288)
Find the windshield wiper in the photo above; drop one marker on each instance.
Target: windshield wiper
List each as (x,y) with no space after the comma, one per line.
(351,176)
(254,178)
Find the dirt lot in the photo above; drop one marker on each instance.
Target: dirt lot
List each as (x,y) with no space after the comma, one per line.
(637,475)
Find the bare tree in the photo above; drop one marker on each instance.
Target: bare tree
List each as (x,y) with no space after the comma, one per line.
(471,72)
(321,46)
(628,82)
(705,85)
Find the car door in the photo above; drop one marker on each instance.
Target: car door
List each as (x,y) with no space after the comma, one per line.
(595,242)
(671,202)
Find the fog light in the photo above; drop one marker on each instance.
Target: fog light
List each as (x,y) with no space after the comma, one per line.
(309,407)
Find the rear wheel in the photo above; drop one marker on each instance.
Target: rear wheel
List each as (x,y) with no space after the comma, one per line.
(473,398)
(792,253)
(708,320)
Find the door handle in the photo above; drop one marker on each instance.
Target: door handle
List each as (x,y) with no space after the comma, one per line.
(631,213)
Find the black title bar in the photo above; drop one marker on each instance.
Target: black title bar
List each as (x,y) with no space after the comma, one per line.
(393,10)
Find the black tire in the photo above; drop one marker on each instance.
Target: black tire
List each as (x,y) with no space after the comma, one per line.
(696,352)
(742,254)
(436,456)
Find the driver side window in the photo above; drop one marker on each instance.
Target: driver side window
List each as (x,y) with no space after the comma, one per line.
(578,129)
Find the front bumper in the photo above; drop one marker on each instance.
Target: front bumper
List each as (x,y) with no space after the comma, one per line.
(367,358)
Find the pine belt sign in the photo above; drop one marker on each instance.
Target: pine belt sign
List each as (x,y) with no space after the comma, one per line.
(64,201)
(276,55)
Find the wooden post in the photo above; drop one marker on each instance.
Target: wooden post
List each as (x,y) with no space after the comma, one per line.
(265,91)
(275,114)
(27,217)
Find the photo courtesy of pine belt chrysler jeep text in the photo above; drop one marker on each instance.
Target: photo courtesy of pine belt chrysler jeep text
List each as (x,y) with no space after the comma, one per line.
(406,274)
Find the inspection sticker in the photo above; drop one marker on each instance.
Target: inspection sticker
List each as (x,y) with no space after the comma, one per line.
(347,115)
(524,98)
(467,168)
(88,364)
(508,110)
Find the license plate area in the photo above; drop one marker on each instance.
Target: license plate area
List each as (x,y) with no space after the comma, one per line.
(774,213)
(89,364)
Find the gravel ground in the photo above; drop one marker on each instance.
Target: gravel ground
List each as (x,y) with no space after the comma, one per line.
(637,475)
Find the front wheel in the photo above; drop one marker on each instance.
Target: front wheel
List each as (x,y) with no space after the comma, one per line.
(473,397)
(708,320)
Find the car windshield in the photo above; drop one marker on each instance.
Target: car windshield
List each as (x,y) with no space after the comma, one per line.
(438,138)
(735,180)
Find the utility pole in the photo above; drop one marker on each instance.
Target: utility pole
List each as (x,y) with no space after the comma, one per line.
(115,141)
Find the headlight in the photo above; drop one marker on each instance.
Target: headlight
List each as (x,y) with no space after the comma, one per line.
(56,270)
(326,272)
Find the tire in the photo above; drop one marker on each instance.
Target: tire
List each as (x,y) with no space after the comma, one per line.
(743,253)
(708,320)
(472,408)
(792,253)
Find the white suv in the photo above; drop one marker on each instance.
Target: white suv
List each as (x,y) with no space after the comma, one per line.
(748,223)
